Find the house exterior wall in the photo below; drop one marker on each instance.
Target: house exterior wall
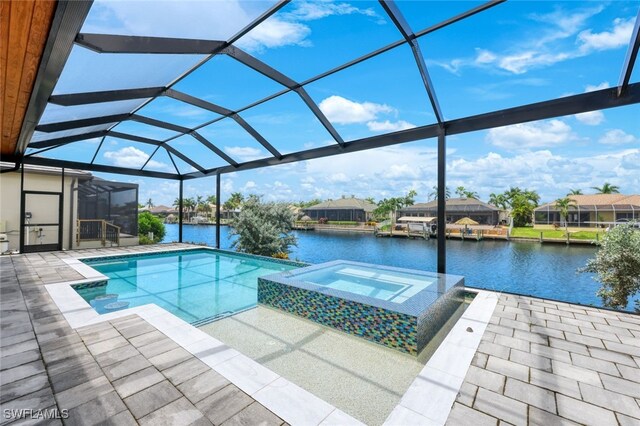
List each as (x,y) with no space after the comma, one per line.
(357,215)
(39,206)
(585,219)
(483,218)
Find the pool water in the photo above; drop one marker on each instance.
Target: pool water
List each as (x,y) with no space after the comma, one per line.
(195,285)
(384,284)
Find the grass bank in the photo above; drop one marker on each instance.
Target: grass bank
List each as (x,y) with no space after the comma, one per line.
(530,232)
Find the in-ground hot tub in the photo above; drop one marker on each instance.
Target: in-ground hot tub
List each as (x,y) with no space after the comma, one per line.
(399,308)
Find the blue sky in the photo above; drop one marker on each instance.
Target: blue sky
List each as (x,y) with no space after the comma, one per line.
(515,53)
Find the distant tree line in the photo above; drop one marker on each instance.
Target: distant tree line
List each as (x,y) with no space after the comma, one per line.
(520,202)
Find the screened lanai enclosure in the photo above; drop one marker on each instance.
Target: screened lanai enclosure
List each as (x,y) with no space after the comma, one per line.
(173,89)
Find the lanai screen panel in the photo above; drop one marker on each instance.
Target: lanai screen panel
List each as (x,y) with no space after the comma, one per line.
(223,86)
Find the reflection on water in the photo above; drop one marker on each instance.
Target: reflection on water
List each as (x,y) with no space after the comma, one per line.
(542,270)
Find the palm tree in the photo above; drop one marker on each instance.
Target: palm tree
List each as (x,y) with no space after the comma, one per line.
(150,204)
(563,205)
(211,201)
(234,201)
(434,193)
(471,194)
(499,200)
(189,205)
(575,192)
(371,200)
(607,188)
(199,203)
(532,195)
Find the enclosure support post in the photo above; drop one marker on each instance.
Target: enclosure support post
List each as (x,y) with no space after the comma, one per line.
(442,200)
(61,211)
(218,211)
(22,209)
(180,208)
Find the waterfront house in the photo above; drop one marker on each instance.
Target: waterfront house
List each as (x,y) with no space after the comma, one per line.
(457,208)
(592,210)
(161,210)
(343,209)
(196,335)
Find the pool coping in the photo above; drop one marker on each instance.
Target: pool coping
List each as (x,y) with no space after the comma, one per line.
(427,401)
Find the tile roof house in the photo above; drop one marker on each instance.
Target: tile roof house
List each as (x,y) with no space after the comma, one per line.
(457,208)
(342,209)
(592,210)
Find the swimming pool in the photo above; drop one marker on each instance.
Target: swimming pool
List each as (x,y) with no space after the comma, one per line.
(196,285)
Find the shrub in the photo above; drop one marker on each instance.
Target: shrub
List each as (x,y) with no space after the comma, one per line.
(323,221)
(263,228)
(281,255)
(617,265)
(144,240)
(150,223)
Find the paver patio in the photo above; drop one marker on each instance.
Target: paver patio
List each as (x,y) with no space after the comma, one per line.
(539,362)
(119,372)
(546,362)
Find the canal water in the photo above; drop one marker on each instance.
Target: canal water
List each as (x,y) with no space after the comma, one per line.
(541,270)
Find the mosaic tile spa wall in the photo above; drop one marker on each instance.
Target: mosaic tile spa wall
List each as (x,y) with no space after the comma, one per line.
(393,329)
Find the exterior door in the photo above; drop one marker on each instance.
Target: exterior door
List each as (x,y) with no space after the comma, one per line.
(41,221)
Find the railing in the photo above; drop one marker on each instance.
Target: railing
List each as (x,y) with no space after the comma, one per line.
(97,230)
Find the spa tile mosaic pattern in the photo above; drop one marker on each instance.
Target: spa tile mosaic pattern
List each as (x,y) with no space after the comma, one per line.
(392,329)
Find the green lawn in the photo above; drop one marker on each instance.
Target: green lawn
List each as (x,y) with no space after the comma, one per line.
(529,232)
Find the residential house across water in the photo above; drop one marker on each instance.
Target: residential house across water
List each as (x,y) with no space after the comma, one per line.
(592,210)
(343,209)
(457,208)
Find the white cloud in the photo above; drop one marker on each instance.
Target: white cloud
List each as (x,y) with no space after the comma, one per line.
(309,11)
(484,56)
(618,36)
(343,111)
(388,126)
(521,62)
(275,32)
(560,38)
(404,171)
(617,137)
(390,171)
(593,88)
(249,186)
(531,135)
(132,157)
(591,118)
(338,178)
(550,174)
(219,21)
(167,19)
(243,153)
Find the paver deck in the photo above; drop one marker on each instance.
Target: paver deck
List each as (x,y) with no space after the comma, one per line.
(119,372)
(539,362)
(543,362)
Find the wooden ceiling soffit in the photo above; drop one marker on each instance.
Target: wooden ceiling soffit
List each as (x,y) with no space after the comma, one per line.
(24,28)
